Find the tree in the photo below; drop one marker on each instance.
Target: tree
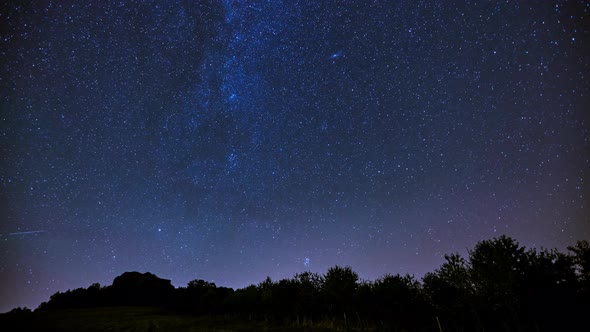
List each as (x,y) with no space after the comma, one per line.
(451,291)
(581,259)
(340,284)
(144,289)
(581,262)
(284,298)
(308,301)
(498,268)
(200,296)
(398,300)
(199,284)
(501,286)
(548,282)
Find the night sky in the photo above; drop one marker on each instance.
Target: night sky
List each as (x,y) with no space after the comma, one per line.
(231,140)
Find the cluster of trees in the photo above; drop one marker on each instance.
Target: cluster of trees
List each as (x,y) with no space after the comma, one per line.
(128,289)
(499,286)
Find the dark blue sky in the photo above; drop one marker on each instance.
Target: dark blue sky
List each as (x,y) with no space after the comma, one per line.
(231,140)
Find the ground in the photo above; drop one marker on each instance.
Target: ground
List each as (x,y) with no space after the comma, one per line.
(134,319)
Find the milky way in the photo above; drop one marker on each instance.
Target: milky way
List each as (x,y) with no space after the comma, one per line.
(232,140)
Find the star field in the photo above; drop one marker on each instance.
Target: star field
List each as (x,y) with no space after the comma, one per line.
(231,140)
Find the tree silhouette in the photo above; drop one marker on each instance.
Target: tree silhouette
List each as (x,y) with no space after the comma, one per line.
(308,300)
(134,288)
(451,291)
(497,268)
(500,286)
(581,265)
(581,259)
(399,299)
(198,296)
(548,282)
(340,284)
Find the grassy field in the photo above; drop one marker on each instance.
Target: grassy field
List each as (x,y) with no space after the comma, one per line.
(132,319)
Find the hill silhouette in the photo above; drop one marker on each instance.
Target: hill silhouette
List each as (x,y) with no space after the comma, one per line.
(500,286)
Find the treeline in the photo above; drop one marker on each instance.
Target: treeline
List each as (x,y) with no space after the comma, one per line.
(500,285)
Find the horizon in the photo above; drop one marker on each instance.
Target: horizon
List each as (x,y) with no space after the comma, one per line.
(229,140)
(274,278)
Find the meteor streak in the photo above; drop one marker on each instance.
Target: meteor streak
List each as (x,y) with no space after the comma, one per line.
(27,232)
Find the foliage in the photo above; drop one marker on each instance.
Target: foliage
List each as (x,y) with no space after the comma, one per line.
(500,286)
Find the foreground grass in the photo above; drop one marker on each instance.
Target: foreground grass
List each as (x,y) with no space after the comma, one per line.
(138,319)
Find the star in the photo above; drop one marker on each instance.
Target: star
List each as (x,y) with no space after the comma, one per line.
(226,140)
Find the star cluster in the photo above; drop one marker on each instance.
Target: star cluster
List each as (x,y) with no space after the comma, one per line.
(231,140)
